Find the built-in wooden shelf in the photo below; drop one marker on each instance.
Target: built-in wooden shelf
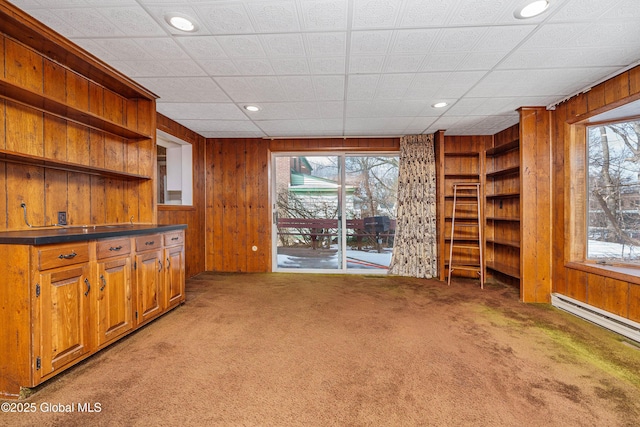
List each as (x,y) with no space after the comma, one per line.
(462,176)
(509,195)
(512,145)
(504,269)
(28,98)
(504,242)
(502,218)
(27,159)
(503,172)
(462,154)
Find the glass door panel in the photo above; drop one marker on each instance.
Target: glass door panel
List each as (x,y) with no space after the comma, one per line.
(307,206)
(371,184)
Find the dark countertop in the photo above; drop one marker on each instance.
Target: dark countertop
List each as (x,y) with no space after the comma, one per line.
(77,233)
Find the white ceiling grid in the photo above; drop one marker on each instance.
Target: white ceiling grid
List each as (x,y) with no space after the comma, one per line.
(351,67)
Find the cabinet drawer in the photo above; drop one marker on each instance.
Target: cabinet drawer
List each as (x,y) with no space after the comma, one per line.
(174,238)
(61,255)
(145,243)
(113,247)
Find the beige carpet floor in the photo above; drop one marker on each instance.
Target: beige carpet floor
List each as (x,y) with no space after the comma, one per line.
(346,350)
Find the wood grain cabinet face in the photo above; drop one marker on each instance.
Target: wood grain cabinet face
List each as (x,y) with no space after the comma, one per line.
(175,269)
(149,267)
(114,293)
(62,301)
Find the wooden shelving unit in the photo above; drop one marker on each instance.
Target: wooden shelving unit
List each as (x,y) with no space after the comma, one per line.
(460,160)
(503,207)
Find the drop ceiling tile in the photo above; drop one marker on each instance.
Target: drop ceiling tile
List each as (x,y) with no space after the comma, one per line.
(280,127)
(605,35)
(52,20)
(220,125)
(297,88)
(331,110)
(329,88)
(403,63)
(201,111)
(267,89)
(474,61)
(274,16)
(253,67)
(283,44)
(241,46)
(420,13)
(379,109)
(580,10)
(503,39)
(625,9)
(324,15)
(362,87)
(375,13)
(132,21)
(245,134)
(156,68)
(443,61)
(219,67)
(290,66)
(414,41)
(160,12)
(238,88)
(366,64)
(162,48)
(225,18)
(274,111)
(326,44)
(205,47)
(184,89)
(393,86)
(412,108)
(559,58)
(370,42)
(122,49)
(335,65)
(480,12)
(88,22)
(554,36)
(458,39)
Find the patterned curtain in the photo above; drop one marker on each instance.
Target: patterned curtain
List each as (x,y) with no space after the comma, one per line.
(415,250)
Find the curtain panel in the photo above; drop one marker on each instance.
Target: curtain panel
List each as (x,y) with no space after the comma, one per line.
(415,250)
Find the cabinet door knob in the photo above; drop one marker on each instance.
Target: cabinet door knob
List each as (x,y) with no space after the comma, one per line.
(86,282)
(104,283)
(160,262)
(117,248)
(174,238)
(150,242)
(68,256)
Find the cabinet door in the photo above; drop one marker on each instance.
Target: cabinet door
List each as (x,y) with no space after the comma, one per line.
(175,265)
(115,311)
(63,316)
(149,282)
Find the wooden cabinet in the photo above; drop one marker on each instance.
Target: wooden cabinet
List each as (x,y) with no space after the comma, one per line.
(114,290)
(62,302)
(175,269)
(149,276)
(63,292)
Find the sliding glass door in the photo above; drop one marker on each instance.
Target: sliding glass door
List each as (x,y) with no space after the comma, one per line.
(333,213)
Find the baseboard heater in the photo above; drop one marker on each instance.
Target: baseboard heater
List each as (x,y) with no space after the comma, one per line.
(615,323)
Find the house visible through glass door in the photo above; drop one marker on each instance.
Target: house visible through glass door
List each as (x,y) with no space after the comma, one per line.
(333,212)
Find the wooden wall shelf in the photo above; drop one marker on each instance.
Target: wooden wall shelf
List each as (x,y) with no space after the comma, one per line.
(503,148)
(503,242)
(28,98)
(504,269)
(27,159)
(503,172)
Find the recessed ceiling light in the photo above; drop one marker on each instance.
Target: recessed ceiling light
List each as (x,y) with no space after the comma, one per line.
(532,9)
(181,22)
(439,105)
(252,108)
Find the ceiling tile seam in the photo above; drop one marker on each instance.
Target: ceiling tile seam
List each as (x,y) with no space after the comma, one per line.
(347,62)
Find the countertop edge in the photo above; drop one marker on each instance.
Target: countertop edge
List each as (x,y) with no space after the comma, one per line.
(79,234)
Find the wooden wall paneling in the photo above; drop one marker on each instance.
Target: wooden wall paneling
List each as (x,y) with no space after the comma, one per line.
(251,207)
(634,302)
(24,129)
(576,284)
(215,218)
(535,163)
(77,90)
(80,199)
(575,200)
(608,294)
(98,199)
(23,66)
(24,184)
(147,206)
(3,133)
(230,207)
(96,148)
(78,144)
(634,81)
(114,157)
(557,256)
(596,98)
(3,195)
(243,182)
(616,89)
(264,207)
(55,137)
(55,194)
(54,81)
(115,206)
